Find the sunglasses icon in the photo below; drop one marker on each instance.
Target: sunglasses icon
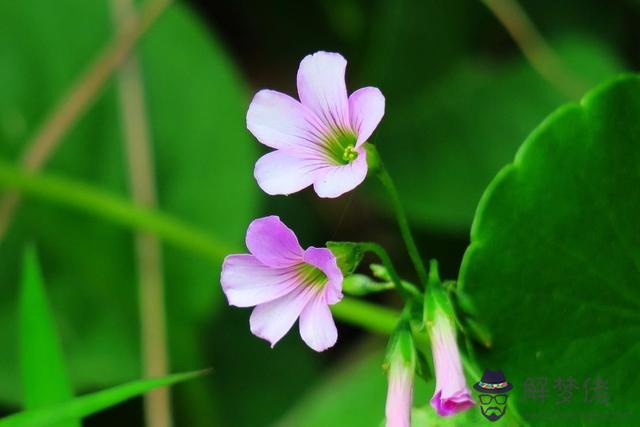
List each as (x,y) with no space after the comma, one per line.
(500,399)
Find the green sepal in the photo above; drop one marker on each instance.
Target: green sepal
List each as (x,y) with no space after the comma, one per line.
(348,255)
(373,158)
(401,346)
(436,298)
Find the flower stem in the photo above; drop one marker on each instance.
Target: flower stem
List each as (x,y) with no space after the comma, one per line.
(403,223)
(406,290)
(371,317)
(88,199)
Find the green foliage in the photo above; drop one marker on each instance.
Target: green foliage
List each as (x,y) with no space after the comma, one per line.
(355,394)
(196,105)
(44,375)
(460,129)
(426,417)
(83,406)
(554,263)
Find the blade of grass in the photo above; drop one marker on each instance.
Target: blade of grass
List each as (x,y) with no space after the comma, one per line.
(91,200)
(89,404)
(44,376)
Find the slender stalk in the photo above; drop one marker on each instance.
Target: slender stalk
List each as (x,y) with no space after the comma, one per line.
(91,200)
(534,47)
(77,100)
(152,312)
(371,317)
(406,290)
(403,223)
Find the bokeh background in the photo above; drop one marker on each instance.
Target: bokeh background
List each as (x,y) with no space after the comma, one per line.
(461,97)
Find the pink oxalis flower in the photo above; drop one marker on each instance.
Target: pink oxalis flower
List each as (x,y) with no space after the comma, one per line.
(319,139)
(399,395)
(402,365)
(284,282)
(451,395)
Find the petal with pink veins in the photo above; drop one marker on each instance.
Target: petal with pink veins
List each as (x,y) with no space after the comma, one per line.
(273,243)
(322,89)
(279,121)
(366,108)
(317,327)
(272,320)
(280,172)
(337,180)
(325,260)
(247,282)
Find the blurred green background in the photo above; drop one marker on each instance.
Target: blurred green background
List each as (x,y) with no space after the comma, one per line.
(461,97)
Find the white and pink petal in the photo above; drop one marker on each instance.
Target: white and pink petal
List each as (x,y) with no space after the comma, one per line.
(281,122)
(272,320)
(366,108)
(317,327)
(334,181)
(322,88)
(325,261)
(247,282)
(273,243)
(284,173)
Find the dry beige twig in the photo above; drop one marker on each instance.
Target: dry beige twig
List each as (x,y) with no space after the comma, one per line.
(153,330)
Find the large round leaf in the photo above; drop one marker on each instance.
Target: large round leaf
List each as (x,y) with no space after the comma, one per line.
(554,263)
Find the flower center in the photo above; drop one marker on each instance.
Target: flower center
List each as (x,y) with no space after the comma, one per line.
(341,147)
(311,276)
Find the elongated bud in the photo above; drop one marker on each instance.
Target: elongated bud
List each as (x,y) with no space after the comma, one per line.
(451,394)
(401,361)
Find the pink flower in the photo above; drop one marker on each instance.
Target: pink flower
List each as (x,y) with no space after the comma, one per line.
(451,395)
(318,140)
(284,282)
(402,365)
(399,395)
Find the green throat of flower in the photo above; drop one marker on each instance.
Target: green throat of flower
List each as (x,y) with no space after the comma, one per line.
(341,147)
(312,276)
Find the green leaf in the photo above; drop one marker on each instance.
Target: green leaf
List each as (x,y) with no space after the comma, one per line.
(554,261)
(83,406)
(44,375)
(196,104)
(447,139)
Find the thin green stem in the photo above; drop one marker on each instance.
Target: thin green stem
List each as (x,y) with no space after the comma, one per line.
(403,223)
(91,200)
(369,316)
(406,290)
